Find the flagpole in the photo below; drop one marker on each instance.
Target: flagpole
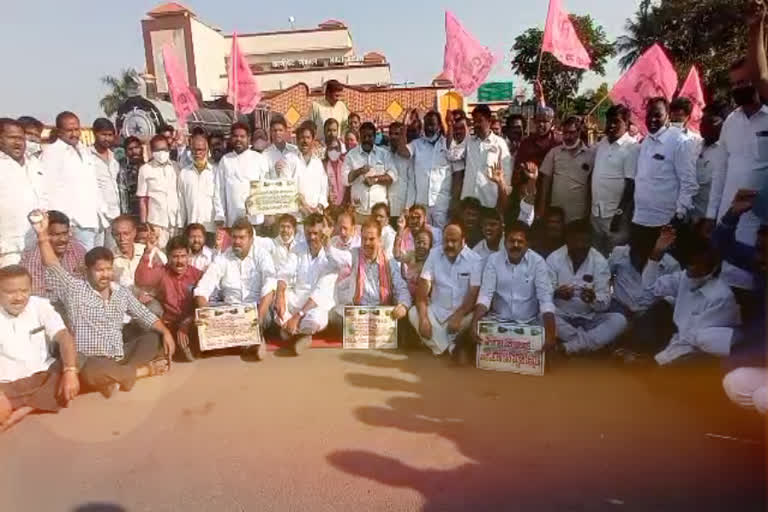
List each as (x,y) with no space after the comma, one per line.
(598,104)
(234,74)
(541,50)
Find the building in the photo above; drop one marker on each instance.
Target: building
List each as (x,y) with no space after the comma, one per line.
(290,67)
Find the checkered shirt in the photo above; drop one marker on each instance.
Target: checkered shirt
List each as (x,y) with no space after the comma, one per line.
(97,324)
(73,261)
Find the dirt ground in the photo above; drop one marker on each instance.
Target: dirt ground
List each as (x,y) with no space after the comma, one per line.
(372,431)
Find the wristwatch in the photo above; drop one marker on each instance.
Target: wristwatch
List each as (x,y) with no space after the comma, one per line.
(619,212)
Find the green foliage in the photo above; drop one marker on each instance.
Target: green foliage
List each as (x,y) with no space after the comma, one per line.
(118,91)
(561,82)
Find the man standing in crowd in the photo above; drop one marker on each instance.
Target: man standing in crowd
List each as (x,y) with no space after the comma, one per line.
(457,149)
(369,171)
(329,107)
(565,174)
(158,193)
(30,376)
(280,165)
(712,158)
(106,169)
(33,129)
(218,147)
(485,152)
(665,181)
(744,139)
(402,192)
(354,122)
(311,180)
(447,292)
(534,148)
(72,184)
(432,169)
(582,284)
(197,186)
(514,131)
(305,288)
(128,176)
(21,192)
(236,171)
(96,308)
(613,185)
(69,252)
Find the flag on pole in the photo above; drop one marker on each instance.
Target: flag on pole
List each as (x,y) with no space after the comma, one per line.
(243,91)
(561,40)
(651,76)
(693,91)
(184,101)
(467,62)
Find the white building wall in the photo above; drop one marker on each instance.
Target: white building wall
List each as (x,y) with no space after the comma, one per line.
(174,39)
(295,42)
(210,49)
(316,78)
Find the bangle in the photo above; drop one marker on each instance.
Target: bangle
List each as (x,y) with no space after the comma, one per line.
(70,369)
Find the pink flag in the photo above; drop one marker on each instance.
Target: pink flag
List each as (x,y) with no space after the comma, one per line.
(243,90)
(184,102)
(693,91)
(652,75)
(561,40)
(467,62)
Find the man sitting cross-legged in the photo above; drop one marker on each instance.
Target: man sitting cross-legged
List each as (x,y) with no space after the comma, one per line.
(95,309)
(516,286)
(450,281)
(243,274)
(305,287)
(173,285)
(30,377)
(376,281)
(581,279)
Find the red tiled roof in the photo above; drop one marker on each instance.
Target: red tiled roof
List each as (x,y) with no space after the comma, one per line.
(169,8)
(332,24)
(374,57)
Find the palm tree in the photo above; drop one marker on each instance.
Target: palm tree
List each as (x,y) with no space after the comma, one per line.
(119,90)
(642,32)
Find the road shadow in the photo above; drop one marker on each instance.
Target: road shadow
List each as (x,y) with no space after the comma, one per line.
(584,437)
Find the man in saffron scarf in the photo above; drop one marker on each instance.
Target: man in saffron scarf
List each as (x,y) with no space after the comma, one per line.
(378,280)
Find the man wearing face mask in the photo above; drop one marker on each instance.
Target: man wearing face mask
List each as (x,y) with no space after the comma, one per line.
(432,171)
(338,194)
(196,187)
(565,174)
(706,311)
(157,189)
(33,129)
(259,140)
(744,138)
(236,170)
(128,176)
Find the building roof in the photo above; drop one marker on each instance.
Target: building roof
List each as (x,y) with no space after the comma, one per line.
(332,24)
(169,8)
(374,58)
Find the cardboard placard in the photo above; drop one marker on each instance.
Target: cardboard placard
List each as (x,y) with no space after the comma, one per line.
(273,197)
(511,347)
(369,327)
(226,326)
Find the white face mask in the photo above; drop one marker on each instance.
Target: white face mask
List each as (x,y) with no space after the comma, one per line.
(33,147)
(161,157)
(572,146)
(433,138)
(697,282)
(677,125)
(333,155)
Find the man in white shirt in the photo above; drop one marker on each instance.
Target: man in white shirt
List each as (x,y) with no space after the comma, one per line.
(457,149)
(706,311)
(712,158)
(516,286)
(244,274)
(329,107)
(285,242)
(347,240)
(237,169)
(485,153)
(158,192)
(665,181)
(446,294)
(493,234)
(582,282)
(680,110)
(72,184)
(21,192)
(33,129)
(380,213)
(402,192)
(744,139)
(200,255)
(305,288)
(369,171)
(280,166)
(311,180)
(613,184)
(197,186)
(106,169)
(30,377)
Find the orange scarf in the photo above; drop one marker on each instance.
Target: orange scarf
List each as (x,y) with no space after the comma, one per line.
(384,279)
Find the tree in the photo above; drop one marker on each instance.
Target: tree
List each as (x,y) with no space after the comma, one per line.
(119,90)
(708,33)
(561,82)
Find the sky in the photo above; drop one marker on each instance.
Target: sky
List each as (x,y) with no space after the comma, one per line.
(56,51)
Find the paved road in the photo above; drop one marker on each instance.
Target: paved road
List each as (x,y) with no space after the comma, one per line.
(338,431)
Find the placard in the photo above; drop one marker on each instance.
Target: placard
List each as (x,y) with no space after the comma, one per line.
(273,197)
(511,347)
(369,327)
(235,325)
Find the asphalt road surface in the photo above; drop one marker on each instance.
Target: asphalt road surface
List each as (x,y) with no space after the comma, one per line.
(375,431)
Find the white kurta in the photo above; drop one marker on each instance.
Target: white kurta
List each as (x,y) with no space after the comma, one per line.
(21,192)
(481,156)
(106,179)
(379,160)
(233,184)
(196,194)
(159,184)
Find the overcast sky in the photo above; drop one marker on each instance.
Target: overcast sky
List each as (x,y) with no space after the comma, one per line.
(55,51)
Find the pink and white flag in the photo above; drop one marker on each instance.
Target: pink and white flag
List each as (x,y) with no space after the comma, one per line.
(184,101)
(467,62)
(693,91)
(561,40)
(243,91)
(651,76)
